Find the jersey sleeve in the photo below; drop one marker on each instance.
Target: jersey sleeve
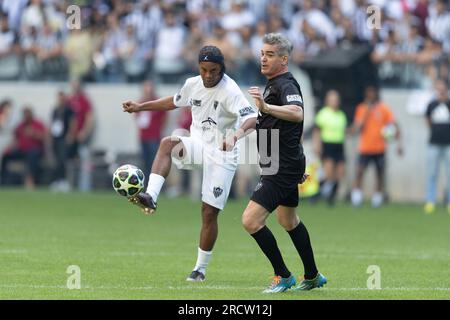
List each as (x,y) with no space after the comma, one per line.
(239,106)
(290,94)
(389,116)
(181,98)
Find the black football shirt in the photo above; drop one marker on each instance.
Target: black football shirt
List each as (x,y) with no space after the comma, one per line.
(286,158)
(439,115)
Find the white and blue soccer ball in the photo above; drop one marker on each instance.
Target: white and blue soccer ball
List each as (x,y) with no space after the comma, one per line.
(128,180)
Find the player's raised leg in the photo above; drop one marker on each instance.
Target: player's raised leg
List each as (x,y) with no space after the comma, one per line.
(160,170)
(290,221)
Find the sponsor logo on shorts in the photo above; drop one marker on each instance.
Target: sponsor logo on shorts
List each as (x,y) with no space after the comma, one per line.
(258,186)
(294,97)
(217,191)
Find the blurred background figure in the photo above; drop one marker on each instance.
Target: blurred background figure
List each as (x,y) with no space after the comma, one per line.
(5,109)
(372,116)
(168,62)
(28,147)
(151,125)
(63,128)
(438,120)
(84,114)
(328,140)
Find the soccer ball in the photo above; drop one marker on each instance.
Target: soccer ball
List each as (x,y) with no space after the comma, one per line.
(128,180)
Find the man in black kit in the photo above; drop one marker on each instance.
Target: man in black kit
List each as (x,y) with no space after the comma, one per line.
(280,122)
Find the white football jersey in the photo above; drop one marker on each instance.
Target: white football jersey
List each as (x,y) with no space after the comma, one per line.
(216,112)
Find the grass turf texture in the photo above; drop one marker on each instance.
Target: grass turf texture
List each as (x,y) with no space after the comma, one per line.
(126,255)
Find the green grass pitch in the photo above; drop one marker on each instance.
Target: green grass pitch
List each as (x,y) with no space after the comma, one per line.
(123,254)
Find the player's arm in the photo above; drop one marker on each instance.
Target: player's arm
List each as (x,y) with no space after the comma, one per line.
(164,104)
(247,127)
(288,112)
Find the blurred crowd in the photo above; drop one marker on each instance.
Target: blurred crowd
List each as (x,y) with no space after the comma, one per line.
(122,40)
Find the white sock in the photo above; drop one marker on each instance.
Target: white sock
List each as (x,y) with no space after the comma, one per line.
(155,183)
(202,260)
(377,199)
(357,197)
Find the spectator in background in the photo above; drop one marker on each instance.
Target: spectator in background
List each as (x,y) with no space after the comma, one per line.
(34,15)
(438,120)
(132,56)
(14,10)
(63,128)
(237,18)
(5,109)
(194,43)
(169,63)
(248,66)
(372,116)
(84,114)
(220,39)
(151,126)
(328,139)
(28,146)
(78,49)
(49,52)
(29,43)
(147,19)
(108,60)
(438,23)
(9,62)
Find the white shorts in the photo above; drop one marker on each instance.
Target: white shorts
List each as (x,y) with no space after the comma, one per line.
(216,180)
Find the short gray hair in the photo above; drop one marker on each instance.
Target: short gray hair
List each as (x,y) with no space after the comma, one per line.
(283,44)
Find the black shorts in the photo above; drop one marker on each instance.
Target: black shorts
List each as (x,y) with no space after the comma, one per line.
(271,193)
(377,158)
(333,151)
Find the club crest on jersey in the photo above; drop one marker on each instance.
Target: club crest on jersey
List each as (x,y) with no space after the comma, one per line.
(197,103)
(217,191)
(216,104)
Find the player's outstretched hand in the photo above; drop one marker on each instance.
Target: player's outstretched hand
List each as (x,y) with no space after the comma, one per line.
(228,143)
(259,100)
(130,106)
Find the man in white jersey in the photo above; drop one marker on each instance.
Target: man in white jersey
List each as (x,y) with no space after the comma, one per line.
(221,115)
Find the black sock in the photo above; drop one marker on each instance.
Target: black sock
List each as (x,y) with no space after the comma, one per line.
(300,238)
(268,245)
